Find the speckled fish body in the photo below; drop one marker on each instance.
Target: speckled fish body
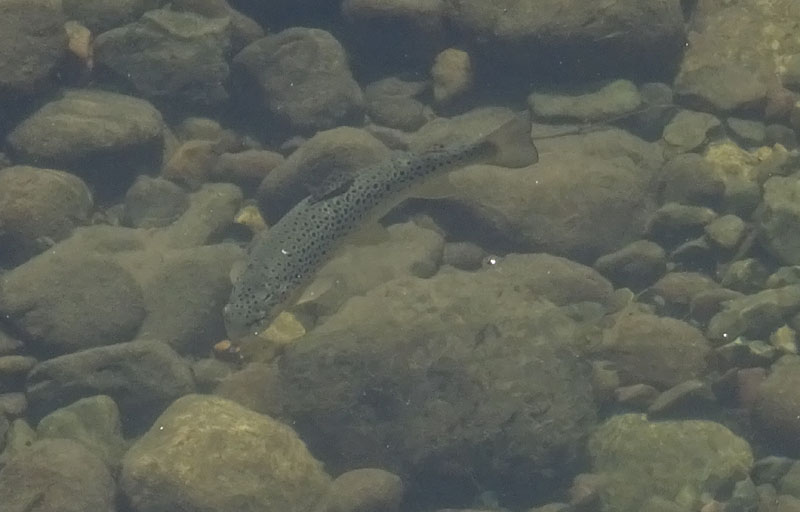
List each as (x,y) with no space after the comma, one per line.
(282,259)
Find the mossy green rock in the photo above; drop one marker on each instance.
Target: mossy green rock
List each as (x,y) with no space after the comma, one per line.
(208,453)
(675,460)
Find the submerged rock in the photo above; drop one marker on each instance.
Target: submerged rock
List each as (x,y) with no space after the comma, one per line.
(179,55)
(639,459)
(142,377)
(32,43)
(39,207)
(56,474)
(304,78)
(94,422)
(63,301)
(212,454)
(88,124)
(459,378)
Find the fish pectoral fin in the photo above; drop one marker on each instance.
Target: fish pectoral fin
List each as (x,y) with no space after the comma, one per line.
(317,288)
(237,269)
(334,184)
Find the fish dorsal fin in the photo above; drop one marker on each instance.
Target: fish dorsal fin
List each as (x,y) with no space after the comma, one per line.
(335,183)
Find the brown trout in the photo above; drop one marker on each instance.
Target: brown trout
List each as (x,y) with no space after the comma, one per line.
(283,259)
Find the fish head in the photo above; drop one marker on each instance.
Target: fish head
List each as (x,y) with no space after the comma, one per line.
(250,314)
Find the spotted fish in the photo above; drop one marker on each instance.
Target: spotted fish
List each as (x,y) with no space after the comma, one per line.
(282,259)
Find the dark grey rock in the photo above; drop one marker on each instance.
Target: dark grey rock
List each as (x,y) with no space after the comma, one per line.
(584,26)
(247,167)
(180,55)
(391,102)
(63,301)
(56,475)
(676,223)
(363,490)
(13,404)
(653,350)
(463,255)
(185,297)
(789,482)
(747,276)
(689,178)
(770,469)
(153,202)
(210,372)
(781,134)
(93,422)
(5,425)
(635,266)
(785,503)
(8,344)
(39,207)
(674,292)
(686,399)
(750,133)
(101,15)
(657,109)
(784,276)
(694,254)
(756,315)
(195,455)
(142,377)
(304,78)
(13,370)
(32,43)
(778,405)
(706,303)
(744,497)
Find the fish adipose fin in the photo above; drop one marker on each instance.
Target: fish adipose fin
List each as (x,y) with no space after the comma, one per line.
(511,144)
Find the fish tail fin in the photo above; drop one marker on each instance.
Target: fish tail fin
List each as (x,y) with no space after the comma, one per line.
(511,144)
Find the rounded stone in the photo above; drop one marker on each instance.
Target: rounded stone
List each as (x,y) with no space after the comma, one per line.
(87,123)
(153,202)
(69,302)
(37,204)
(210,453)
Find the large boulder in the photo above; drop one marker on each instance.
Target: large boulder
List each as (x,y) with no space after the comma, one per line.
(459,378)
